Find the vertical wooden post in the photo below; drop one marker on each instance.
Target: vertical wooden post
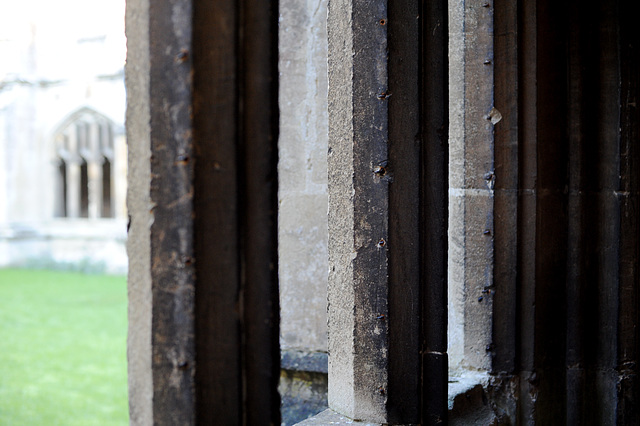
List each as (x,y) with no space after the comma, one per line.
(404,211)
(434,213)
(206,218)
(503,347)
(236,119)
(574,75)
(387,210)
(628,356)
(173,282)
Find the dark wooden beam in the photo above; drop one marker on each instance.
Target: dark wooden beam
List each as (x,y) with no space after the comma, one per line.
(214,129)
(506,145)
(173,281)
(628,401)
(404,212)
(434,210)
(235,131)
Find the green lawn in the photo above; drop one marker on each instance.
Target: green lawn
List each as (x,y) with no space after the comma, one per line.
(62,348)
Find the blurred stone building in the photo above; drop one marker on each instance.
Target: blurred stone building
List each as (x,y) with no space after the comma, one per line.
(63,162)
(62,144)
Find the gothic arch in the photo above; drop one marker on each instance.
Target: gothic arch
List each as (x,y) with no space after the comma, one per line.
(83,150)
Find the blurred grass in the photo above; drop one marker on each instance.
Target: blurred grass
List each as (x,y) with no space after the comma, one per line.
(62,348)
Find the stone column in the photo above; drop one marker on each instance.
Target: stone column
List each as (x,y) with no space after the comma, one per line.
(95,189)
(471,184)
(94,171)
(139,205)
(119,168)
(387,211)
(73,188)
(73,175)
(3,168)
(358,210)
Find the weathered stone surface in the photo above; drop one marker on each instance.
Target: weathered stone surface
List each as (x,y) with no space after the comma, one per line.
(141,217)
(341,297)
(304,394)
(303,271)
(471,185)
(302,208)
(471,408)
(330,417)
(315,362)
(303,385)
(358,209)
(302,168)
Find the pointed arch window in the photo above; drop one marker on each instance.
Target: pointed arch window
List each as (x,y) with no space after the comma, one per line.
(84,150)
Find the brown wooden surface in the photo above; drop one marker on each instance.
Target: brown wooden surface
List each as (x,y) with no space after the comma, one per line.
(434,210)
(214,238)
(172,272)
(629,311)
(527,105)
(404,210)
(218,212)
(259,232)
(505,233)
(575,290)
(235,128)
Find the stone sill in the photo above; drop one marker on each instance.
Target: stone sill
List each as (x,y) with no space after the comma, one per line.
(312,362)
(459,385)
(330,417)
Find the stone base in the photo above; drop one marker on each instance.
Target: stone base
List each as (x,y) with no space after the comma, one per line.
(96,246)
(303,385)
(330,417)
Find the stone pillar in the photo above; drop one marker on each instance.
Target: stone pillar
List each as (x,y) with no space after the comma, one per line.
(94,170)
(60,179)
(139,205)
(73,188)
(471,184)
(95,189)
(119,168)
(387,211)
(358,210)
(73,175)
(3,169)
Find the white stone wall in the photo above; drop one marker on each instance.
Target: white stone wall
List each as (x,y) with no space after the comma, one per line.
(303,175)
(94,246)
(471,194)
(65,56)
